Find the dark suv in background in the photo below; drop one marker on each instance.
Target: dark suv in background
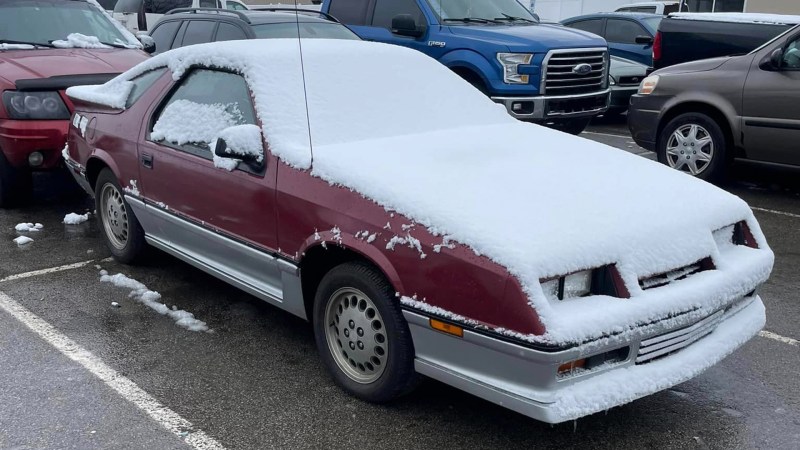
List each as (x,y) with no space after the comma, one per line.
(188,26)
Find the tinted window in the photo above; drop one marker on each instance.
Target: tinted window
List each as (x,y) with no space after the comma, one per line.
(198,32)
(228,32)
(209,4)
(592,26)
(624,31)
(163,35)
(352,12)
(385,10)
(162,6)
(141,84)
(222,96)
(235,6)
(791,57)
(321,30)
(652,24)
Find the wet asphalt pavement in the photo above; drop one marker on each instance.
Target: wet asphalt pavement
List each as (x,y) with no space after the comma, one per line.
(255,381)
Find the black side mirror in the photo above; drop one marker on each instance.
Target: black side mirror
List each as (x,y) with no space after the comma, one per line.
(148,44)
(405,25)
(644,40)
(773,61)
(222,150)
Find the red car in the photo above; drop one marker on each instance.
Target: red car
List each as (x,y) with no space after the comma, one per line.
(370,190)
(47,46)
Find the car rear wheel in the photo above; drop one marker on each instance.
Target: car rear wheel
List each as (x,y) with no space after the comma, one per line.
(16,186)
(694,143)
(361,334)
(120,228)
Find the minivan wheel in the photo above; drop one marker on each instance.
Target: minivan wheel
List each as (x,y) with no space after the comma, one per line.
(361,334)
(16,186)
(694,143)
(120,228)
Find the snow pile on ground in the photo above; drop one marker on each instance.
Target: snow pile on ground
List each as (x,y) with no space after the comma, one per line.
(78,40)
(28,227)
(75,219)
(140,293)
(22,240)
(776,19)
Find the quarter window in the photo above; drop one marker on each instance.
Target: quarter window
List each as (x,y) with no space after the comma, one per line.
(624,31)
(141,84)
(351,12)
(385,10)
(228,32)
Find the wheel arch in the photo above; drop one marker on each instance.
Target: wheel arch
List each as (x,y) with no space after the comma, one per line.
(719,115)
(96,163)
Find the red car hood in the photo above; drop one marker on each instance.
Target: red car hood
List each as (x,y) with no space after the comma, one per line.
(33,64)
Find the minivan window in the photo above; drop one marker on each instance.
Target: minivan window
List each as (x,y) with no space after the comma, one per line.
(623,31)
(592,26)
(386,10)
(164,34)
(351,12)
(198,32)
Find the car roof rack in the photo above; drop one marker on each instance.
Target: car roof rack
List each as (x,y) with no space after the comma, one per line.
(239,14)
(298,10)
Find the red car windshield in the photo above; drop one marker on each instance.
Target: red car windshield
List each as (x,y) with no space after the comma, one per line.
(39,22)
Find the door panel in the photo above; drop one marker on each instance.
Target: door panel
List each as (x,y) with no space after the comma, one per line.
(772,108)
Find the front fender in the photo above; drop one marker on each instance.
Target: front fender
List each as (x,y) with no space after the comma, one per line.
(711,100)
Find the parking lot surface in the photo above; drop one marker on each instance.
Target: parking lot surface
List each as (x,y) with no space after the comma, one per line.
(78,372)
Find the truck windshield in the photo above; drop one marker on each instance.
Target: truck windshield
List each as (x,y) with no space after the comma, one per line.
(481,11)
(39,22)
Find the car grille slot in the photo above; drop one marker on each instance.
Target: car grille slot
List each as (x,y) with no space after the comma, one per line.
(672,341)
(561,79)
(678,274)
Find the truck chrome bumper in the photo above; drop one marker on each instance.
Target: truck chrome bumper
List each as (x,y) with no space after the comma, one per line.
(545,108)
(526,380)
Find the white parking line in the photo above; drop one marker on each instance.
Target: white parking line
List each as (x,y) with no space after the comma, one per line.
(779,338)
(113,379)
(774,211)
(35,273)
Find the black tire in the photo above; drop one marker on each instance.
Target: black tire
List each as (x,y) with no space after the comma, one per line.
(132,248)
(572,126)
(16,186)
(398,376)
(713,171)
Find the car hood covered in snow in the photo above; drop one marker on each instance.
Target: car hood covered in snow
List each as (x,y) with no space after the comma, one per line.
(402,130)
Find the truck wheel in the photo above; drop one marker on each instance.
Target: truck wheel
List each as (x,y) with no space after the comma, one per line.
(121,230)
(16,186)
(361,334)
(573,126)
(694,143)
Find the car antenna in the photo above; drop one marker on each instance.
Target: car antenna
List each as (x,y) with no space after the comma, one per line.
(303,76)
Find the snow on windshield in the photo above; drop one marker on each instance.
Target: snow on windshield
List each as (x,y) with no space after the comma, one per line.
(77,40)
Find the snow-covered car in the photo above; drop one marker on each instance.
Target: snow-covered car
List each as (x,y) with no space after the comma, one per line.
(417,234)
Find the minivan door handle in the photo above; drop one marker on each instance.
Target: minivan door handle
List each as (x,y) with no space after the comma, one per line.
(147,160)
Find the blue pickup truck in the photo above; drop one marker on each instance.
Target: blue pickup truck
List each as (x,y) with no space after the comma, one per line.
(542,73)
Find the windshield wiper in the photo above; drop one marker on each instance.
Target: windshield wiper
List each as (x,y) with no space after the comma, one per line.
(36,44)
(513,18)
(471,20)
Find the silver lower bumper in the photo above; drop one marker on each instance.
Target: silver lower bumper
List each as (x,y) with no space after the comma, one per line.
(525,380)
(546,108)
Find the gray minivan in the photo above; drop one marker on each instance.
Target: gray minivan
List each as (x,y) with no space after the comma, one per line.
(700,116)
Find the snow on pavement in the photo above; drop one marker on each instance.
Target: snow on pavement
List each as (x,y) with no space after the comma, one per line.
(75,219)
(142,294)
(22,240)
(28,227)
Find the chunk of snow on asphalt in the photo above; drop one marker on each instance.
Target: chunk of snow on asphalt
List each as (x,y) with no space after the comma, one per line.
(185,121)
(776,19)
(115,304)
(22,240)
(78,40)
(142,294)
(27,227)
(75,219)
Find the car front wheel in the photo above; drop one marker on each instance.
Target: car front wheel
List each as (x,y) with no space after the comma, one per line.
(120,228)
(694,143)
(361,334)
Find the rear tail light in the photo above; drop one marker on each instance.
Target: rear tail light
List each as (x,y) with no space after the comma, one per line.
(657,47)
(743,236)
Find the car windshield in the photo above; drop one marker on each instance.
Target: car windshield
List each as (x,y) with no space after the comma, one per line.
(39,22)
(318,30)
(482,11)
(652,23)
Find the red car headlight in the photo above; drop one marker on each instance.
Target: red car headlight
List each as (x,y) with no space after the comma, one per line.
(601,281)
(35,105)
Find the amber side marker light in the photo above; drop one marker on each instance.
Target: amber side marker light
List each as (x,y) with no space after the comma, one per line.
(572,365)
(444,327)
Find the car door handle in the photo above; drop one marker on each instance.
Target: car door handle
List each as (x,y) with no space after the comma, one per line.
(147,160)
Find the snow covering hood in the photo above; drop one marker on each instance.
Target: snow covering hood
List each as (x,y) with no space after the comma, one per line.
(538,38)
(31,64)
(538,202)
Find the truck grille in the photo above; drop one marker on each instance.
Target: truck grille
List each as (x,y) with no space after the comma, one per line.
(663,345)
(562,77)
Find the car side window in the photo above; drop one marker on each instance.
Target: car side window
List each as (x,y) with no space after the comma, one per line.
(141,84)
(622,31)
(229,32)
(198,32)
(385,10)
(164,34)
(791,56)
(350,12)
(592,26)
(209,4)
(204,103)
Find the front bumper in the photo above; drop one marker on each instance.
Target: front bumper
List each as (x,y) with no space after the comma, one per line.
(20,138)
(525,380)
(545,108)
(644,115)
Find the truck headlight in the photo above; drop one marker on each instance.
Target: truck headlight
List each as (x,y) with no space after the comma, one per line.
(511,63)
(648,85)
(46,105)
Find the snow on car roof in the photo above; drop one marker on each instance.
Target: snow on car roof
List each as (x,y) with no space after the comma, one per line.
(775,19)
(403,130)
